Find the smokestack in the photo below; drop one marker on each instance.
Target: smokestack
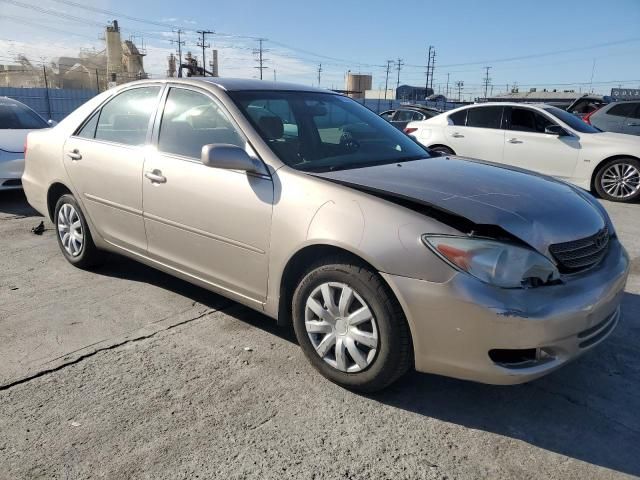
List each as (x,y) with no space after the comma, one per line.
(114,49)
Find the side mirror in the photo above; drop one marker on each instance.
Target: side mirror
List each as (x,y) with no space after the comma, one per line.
(229,157)
(52,123)
(556,130)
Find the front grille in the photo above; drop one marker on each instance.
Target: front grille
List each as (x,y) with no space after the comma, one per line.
(581,254)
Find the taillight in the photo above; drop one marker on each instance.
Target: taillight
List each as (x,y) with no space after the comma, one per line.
(409,130)
(587,117)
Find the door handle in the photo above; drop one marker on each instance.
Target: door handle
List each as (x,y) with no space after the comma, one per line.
(74,155)
(457,135)
(155,176)
(514,140)
(633,124)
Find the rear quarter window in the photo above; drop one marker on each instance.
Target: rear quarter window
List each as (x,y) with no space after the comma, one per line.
(458,118)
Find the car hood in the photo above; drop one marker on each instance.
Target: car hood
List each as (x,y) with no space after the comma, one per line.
(538,210)
(614,139)
(12,140)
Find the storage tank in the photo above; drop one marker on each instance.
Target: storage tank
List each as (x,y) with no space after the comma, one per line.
(357,84)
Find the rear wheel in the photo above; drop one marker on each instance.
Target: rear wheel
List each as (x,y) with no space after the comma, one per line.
(619,180)
(74,237)
(442,150)
(350,326)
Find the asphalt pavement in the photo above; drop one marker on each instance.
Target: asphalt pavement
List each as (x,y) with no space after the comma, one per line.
(126,372)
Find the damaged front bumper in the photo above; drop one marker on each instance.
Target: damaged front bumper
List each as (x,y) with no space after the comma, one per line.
(470,330)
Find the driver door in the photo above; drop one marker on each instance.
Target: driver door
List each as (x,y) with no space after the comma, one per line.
(212,224)
(527,146)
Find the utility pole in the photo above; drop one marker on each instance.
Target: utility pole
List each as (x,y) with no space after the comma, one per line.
(486,81)
(180,42)
(260,51)
(274,75)
(386,81)
(97,82)
(459,85)
(319,72)
(204,45)
(398,67)
(431,61)
(46,86)
(447,94)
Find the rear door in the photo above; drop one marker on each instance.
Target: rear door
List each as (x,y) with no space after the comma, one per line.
(632,122)
(478,134)
(104,160)
(527,146)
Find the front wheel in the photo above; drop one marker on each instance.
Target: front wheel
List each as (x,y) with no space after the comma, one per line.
(619,180)
(350,326)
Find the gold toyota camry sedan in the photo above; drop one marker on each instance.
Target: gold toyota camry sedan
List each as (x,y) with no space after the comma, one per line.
(303,204)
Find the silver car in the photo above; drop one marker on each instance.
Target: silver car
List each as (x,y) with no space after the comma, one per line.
(302,204)
(618,117)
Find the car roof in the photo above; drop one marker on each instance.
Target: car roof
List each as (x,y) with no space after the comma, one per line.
(239,84)
(417,107)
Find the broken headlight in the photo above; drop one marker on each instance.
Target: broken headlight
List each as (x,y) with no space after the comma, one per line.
(497,263)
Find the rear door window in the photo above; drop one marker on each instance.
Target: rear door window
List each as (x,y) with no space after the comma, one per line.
(125,119)
(636,114)
(484,117)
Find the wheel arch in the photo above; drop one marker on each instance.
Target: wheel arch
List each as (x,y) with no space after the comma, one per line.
(55,191)
(298,264)
(601,165)
(435,145)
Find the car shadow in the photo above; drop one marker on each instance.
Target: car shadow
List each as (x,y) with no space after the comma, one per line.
(586,410)
(14,203)
(118,266)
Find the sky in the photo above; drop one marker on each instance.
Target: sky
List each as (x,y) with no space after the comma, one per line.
(583,45)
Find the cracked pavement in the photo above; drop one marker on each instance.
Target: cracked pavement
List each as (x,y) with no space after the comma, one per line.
(126,372)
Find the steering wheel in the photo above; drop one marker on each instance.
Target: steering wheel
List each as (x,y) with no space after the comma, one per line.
(348,142)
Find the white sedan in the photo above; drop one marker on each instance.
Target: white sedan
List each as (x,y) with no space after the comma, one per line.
(541,138)
(16,121)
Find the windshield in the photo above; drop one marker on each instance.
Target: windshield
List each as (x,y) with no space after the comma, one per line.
(574,122)
(323,131)
(17,116)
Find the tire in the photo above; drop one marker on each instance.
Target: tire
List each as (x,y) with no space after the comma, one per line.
(74,237)
(442,150)
(386,346)
(607,180)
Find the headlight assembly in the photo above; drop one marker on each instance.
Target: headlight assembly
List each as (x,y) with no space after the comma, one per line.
(497,263)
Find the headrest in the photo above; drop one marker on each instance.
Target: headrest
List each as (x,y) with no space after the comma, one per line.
(202,121)
(271,127)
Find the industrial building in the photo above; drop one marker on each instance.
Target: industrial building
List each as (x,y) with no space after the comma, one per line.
(120,62)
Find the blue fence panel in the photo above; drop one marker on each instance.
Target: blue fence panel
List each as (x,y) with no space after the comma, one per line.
(52,103)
